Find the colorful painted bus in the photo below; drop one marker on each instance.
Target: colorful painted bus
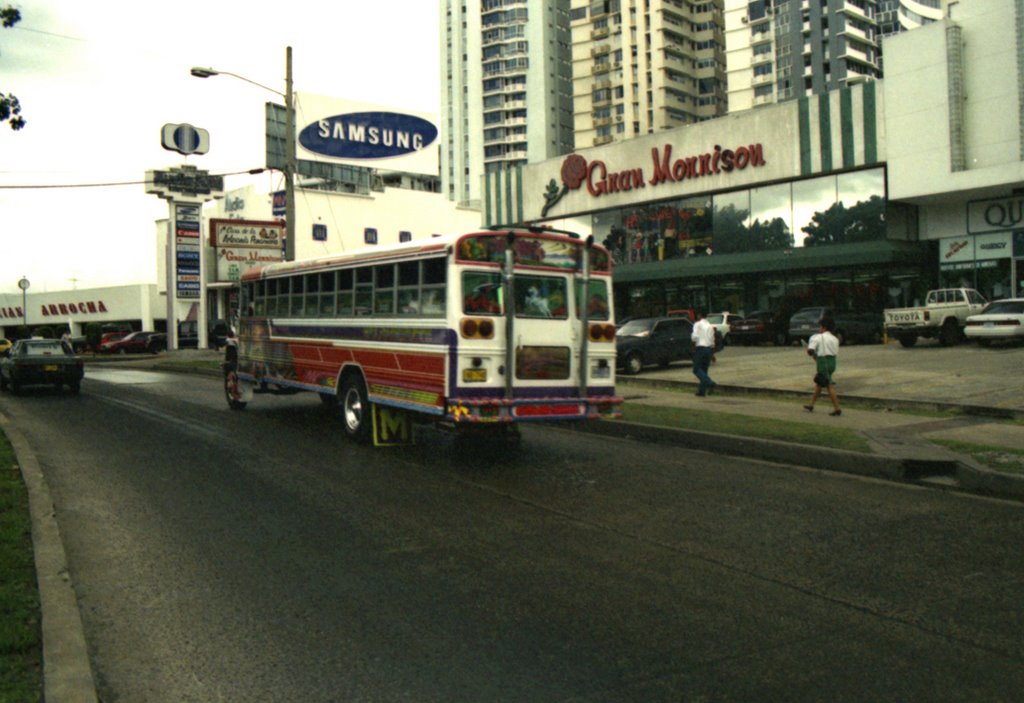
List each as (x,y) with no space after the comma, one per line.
(485,330)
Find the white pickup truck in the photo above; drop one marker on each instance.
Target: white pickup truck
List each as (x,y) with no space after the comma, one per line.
(943,315)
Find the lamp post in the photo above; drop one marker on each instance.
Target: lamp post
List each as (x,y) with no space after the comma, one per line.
(24,284)
(289,163)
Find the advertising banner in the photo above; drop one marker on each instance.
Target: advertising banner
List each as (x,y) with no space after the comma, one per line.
(361,134)
(241,245)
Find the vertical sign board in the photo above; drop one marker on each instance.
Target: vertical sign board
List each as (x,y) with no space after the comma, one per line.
(188,259)
(185,188)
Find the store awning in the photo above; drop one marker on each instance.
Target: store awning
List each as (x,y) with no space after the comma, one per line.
(878,253)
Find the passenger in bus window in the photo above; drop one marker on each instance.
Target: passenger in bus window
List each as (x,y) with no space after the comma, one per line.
(535,304)
(597,308)
(431,303)
(483,299)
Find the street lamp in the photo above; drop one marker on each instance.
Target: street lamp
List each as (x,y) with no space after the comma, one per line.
(289,126)
(24,284)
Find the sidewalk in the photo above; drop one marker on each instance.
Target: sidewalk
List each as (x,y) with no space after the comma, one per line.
(877,384)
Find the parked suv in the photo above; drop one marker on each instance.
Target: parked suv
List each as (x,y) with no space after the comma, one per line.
(850,326)
(645,341)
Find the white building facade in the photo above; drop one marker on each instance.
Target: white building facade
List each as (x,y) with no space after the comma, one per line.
(859,198)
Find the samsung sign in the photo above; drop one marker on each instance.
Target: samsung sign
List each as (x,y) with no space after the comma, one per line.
(358,133)
(368,135)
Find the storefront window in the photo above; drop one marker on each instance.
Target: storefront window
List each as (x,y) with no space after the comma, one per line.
(731,221)
(810,197)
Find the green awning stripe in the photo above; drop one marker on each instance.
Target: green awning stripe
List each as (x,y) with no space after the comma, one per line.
(846,127)
(825,131)
(870,124)
(804,117)
(488,214)
(519,194)
(508,195)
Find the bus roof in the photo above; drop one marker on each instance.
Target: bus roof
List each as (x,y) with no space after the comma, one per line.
(438,244)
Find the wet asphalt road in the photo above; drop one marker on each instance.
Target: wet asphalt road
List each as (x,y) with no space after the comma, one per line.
(259,556)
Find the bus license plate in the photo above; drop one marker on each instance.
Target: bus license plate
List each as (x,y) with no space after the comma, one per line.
(601,372)
(474,375)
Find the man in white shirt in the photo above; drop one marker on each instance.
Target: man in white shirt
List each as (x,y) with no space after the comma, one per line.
(703,337)
(824,348)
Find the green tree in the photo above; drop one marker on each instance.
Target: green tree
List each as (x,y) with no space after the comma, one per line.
(731,235)
(773,234)
(863,222)
(10,107)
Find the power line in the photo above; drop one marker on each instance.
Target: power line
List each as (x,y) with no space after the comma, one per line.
(40,186)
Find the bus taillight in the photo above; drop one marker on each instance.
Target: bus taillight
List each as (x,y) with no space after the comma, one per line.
(602,333)
(473,328)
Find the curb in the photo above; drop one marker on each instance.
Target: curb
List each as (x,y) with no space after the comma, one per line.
(67,674)
(972,410)
(955,474)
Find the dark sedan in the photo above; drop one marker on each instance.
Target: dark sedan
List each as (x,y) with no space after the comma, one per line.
(652,340)
(757,327)
(36,362)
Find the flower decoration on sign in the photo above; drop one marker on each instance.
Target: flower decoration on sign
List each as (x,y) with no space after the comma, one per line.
(574,172)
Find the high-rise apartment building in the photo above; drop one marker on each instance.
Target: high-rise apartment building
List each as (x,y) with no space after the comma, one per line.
(640,66)
(915,13)
(784,49)
(505,88)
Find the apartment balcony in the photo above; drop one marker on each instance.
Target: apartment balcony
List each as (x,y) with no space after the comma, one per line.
(857,34)
(852,10)
(763,100)
(604,139)
(601,68)
(600,50)
(600,33)
(761,79)
(602,121)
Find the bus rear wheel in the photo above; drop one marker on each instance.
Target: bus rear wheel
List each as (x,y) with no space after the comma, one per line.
(356,411)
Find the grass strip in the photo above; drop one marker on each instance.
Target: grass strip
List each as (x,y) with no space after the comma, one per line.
(747,426)
(20,617)
(1001,459)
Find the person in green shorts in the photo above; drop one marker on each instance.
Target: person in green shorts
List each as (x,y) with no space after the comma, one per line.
(824,348)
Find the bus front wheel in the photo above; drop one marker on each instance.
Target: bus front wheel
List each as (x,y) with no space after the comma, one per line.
(356,412)
(233,391)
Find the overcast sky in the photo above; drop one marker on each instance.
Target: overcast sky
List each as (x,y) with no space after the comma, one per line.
(98,80)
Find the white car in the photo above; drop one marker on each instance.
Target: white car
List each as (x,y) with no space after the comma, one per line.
(1001,319)
(721,321)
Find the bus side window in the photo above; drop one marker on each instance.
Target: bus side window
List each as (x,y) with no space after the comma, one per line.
(409,288)
(433,301)
(434,279)
(295,308)
(260,298)
(345,292)
(271,308)
(364,291)
(311,308)
(327,287)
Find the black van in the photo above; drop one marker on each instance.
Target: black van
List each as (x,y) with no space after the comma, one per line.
(188,334)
